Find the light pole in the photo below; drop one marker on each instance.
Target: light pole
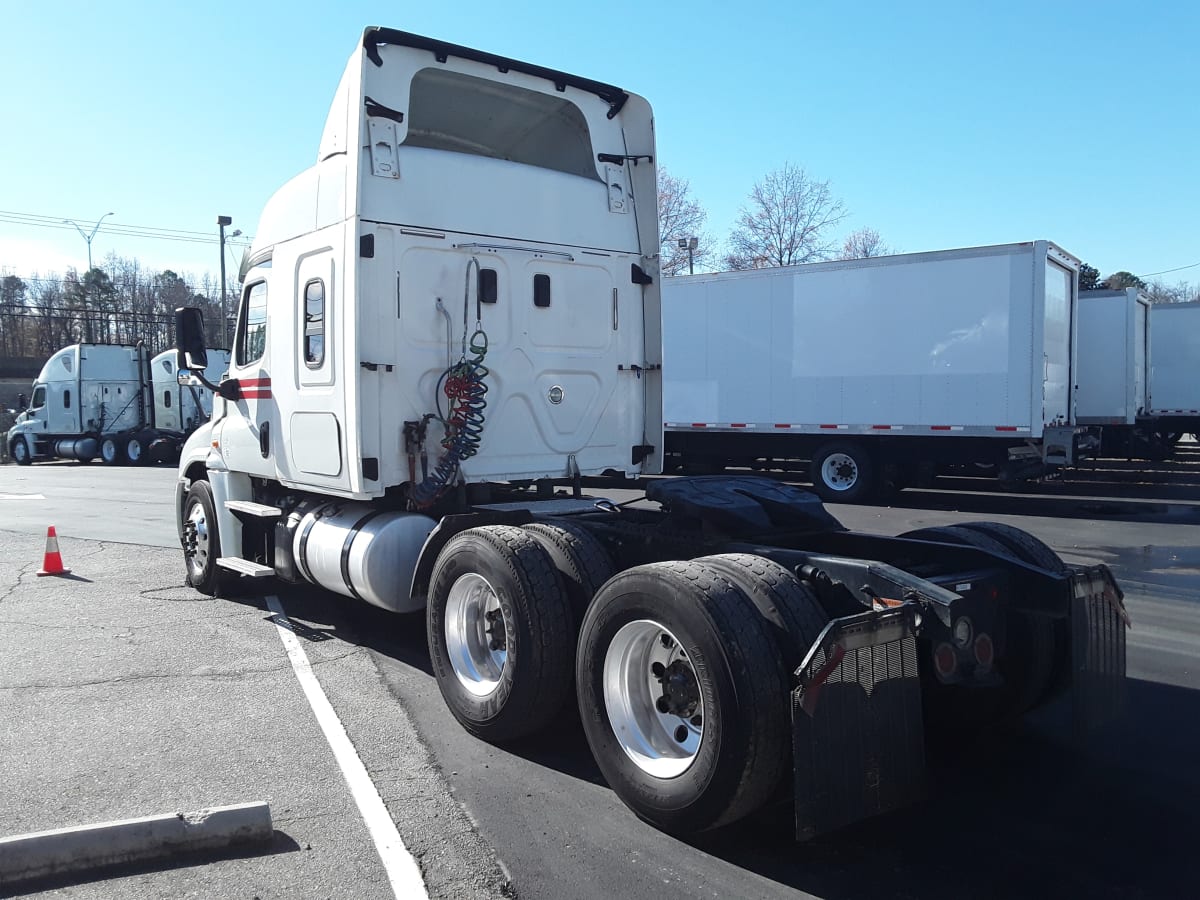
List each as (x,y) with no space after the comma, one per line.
(222,221)
(689,244)
(87,236)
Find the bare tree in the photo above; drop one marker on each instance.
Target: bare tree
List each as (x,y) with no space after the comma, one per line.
(785,222)
(1181,292)
(680,217)
(864,243)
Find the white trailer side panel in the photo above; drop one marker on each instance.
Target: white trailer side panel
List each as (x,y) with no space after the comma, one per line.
(1112,357)
(1175,359)
(916,342)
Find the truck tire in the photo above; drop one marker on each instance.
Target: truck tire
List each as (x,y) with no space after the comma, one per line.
(841,472)
(201,540)
(1021,544)
(1028,665)
(687,746)
(580,558)
(136,449)
(1027,548)
(112,451)
(20,452)
(501,632)
(792,612)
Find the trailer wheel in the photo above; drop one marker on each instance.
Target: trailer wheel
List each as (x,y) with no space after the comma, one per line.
(680,689)
(19,449)
(112,451)
(201,541)
(792,612)
(1028,665)
(841,472)
(501,632)
(580,558)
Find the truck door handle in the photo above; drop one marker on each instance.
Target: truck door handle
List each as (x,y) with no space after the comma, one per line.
(264,439)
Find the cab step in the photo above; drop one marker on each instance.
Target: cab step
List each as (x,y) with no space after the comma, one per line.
(245,567)
(250,508)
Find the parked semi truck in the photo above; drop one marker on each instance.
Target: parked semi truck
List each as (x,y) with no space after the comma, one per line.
(876,373)
(183,405)
(449,320)
(94,400)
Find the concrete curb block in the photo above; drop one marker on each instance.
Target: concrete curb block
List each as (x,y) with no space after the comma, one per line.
(64,850)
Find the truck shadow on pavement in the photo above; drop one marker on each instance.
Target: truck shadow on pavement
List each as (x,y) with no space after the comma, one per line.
(1021,811)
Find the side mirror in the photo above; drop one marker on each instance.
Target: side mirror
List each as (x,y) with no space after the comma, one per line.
(189,339)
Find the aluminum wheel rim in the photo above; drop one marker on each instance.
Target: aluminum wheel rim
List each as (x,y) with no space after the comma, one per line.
(108,450)
(476,634)
(839,471)
(662,743)
(20,450)
(134,450)
(195,531)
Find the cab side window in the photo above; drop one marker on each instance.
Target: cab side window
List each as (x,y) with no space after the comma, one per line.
(252,338)
(39,398)
(314,323)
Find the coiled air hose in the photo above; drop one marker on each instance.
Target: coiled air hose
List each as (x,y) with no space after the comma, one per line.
(466,395)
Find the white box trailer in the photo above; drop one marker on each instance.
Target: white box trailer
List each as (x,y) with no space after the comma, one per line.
(453,317)
(94,400)
(180,404)
(877,370)
(1175,368)
(1114,371)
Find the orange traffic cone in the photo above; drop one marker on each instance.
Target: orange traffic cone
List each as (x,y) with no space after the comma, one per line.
(52,562)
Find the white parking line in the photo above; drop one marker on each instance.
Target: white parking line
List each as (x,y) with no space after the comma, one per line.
(402,869)
(22,497)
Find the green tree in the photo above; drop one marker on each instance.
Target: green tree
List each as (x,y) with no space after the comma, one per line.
(1118,281)
(1089,277)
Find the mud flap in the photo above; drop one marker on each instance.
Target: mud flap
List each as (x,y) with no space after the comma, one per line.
(1098,623)
(857,730)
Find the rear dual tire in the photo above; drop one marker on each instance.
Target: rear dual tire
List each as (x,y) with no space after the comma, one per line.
(842,472)
(684,679)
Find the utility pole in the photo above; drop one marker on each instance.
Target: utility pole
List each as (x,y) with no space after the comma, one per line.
(89,235)
(222,221)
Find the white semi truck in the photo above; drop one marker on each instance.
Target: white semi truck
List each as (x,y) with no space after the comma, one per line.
(876,372)
(180,405)
(98,400)
(450,320)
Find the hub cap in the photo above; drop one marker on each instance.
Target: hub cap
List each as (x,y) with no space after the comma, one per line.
(476,634)
(839,471)
(134,450)
(653,699)
(196,543)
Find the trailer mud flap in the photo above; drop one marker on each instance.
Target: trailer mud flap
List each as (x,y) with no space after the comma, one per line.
(1098,623)
(857,730)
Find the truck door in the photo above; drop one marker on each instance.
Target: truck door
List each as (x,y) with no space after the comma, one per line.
(1059,314)
(317,445)
(249,435)
(38,415)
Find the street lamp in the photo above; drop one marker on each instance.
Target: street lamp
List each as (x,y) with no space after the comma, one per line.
(88,235)
(689,244)
(222,221)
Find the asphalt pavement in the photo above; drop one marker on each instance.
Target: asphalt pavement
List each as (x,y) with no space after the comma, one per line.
(131,694)
(125,694)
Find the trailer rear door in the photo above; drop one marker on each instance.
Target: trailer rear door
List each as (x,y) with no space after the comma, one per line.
(1059,314)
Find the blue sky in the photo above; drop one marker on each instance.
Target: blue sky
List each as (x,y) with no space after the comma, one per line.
(938,124)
